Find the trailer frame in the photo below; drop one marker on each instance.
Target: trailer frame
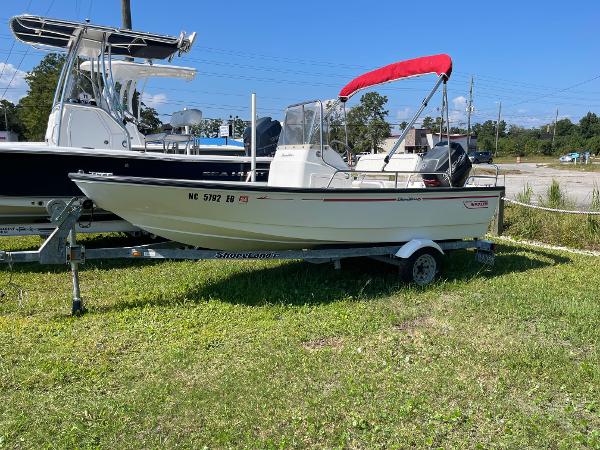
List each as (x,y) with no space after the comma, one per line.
(61,247)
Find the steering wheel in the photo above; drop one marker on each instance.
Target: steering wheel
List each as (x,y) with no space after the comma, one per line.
(344,150)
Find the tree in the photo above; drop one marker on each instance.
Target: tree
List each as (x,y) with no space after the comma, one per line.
(589,125)
(403,125)
(428,123)
(35,107)
(593,145)
(564,127)
(238,127)
(485,143)
(545,147)
(9,117)
(208,128)
(367,127)
(149,120)
(437,123)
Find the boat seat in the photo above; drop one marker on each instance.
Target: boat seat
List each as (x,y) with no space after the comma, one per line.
(171,141)
(366,184)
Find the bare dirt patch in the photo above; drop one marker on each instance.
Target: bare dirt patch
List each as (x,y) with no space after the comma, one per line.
(409,326)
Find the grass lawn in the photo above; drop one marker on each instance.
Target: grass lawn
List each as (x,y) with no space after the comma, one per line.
(593,167)
(288,354)
(526,159)
(575,231)
(551,161)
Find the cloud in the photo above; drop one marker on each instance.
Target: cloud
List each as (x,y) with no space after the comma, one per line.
(154,101)
(532,121)
(13,82)
(403,114)
(460,102)
(458,114)
(521,110)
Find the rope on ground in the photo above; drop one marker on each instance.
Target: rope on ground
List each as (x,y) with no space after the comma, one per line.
(546,246)
(544,208)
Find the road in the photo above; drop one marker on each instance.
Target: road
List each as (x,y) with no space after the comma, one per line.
(578,185)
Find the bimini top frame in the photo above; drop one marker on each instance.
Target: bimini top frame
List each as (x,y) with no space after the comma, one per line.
(55,33)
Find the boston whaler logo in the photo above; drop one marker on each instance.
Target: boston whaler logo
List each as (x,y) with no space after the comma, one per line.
(475,204)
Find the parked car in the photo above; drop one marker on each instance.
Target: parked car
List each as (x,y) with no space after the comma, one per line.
(570,157)
(481,157)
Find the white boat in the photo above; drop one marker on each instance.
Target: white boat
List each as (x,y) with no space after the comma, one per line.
(95,119)
(312,198)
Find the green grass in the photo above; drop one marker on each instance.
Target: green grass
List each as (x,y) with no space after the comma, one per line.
(551,161)
(576,231)
(592,167)
(287,354)
(525,159)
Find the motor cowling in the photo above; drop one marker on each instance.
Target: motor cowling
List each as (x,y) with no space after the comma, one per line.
(437,159)
(267,135)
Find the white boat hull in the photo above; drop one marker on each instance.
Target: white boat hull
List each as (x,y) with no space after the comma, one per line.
(23,209)
(236,216)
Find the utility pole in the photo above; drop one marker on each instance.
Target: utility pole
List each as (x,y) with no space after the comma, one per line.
(126,18)
(126,14)
(469,111)
(498,127)
(554,129)
(442,118)
(5,121)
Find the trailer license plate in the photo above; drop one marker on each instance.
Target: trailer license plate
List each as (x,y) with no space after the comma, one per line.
(485,257)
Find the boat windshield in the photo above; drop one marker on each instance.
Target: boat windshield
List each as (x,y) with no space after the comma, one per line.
(302,124)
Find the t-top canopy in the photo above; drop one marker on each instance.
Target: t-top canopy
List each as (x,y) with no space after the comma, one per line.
(439,64)
(57,33)
(129,70)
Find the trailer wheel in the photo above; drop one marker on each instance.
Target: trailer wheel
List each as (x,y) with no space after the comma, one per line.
(422,267)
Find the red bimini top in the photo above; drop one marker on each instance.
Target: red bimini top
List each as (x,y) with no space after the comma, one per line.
(438,64)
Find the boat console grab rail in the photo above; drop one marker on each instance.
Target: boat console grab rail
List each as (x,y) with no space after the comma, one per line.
(485,176)
(387,173)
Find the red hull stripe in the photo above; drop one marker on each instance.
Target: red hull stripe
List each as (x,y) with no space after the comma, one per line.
(396,199)
(460,198)
(360,199)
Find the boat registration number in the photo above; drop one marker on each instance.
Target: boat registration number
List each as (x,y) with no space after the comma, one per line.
(214,198)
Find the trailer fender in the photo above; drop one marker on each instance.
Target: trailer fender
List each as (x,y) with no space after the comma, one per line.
(408,249)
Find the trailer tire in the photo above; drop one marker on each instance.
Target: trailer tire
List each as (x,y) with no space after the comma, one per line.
(422,267)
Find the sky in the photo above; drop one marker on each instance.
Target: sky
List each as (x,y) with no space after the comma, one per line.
(532,56)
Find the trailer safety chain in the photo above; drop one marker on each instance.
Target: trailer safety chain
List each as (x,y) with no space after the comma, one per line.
(544,208)
(89,224)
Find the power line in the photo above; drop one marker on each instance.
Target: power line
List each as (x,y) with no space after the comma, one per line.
(24,54)
(11,48)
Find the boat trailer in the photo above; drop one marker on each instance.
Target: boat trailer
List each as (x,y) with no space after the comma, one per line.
(418,259)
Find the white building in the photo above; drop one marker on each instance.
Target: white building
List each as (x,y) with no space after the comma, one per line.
(420,140)
(434,138)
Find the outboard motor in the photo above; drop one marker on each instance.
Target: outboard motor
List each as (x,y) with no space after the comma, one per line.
(267,135)
(436,160)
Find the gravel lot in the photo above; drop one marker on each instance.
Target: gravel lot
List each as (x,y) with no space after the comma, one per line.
(577,184)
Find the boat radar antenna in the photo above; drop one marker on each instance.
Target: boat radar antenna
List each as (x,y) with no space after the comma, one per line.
(441,65)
